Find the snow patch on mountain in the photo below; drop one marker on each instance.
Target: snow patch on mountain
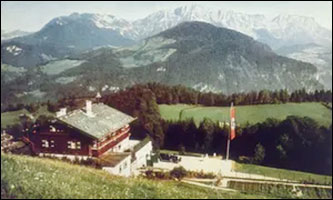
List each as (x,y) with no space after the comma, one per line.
(202,87)
(276,32)
(161,69)
(15,50)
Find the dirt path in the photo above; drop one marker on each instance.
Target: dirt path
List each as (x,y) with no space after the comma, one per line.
(181,112)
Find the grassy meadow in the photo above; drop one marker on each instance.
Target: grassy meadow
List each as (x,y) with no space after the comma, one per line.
(27,177)
(251,114)
(12,118)
(283,173)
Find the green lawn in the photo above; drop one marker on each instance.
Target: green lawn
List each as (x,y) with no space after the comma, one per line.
(28,177)
(282,173)
(12,118)
(252,114)
(59,66)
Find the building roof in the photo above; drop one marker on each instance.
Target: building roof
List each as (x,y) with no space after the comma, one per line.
(112,159)
(141,144)
(105,120)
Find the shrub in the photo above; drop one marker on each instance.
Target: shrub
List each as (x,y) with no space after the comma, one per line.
(178,173)
(149,174)
(259,154)
(181,149)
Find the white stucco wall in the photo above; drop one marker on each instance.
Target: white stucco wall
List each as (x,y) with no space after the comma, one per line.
(122,169)
(142,156)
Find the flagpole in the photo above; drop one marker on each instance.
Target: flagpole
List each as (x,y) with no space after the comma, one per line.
(228,147)
(228,141)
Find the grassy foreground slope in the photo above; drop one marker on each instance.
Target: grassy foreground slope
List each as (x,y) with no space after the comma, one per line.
(283,173)
(28,177)
(252,114)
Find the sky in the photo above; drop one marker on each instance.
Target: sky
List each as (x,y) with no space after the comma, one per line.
(32,16)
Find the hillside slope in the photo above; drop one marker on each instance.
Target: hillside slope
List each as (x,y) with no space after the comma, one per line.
(193,54)
(201,56)
(62,37)
(318,55)
(27,177)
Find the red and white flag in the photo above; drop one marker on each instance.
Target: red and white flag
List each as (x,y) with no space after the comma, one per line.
(233,123)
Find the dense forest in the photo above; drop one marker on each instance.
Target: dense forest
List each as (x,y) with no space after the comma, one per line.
(294,143)
(163,94)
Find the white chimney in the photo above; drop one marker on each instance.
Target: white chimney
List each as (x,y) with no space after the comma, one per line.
(98,96)
(89,108)
(62,112)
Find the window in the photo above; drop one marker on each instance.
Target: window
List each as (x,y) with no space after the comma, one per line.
(74,145)
(45,144)
(48,144)
(95,144)
(78,145)
(53,129)
(52,143)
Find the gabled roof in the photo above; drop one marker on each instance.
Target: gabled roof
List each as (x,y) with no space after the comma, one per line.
(105,120)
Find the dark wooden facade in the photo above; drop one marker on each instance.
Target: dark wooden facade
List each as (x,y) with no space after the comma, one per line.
(109,141)
(57,138)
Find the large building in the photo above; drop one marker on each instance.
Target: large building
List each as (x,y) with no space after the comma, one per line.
(96,131)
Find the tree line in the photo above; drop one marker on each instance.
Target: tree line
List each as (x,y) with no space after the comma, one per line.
(164,94)
(287,143)
(180,94)
(297,143)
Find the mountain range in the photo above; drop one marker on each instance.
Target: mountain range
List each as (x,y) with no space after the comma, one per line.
(209,50)
(277,32)
(194,54)
(68,35)
(318,55)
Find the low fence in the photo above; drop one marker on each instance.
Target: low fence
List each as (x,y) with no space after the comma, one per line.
(282,190)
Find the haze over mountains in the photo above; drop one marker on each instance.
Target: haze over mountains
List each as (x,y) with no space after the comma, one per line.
(95,51)
(12,34)
(69,32)
(206,57)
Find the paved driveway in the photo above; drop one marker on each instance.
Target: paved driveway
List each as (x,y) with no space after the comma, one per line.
(205,164)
